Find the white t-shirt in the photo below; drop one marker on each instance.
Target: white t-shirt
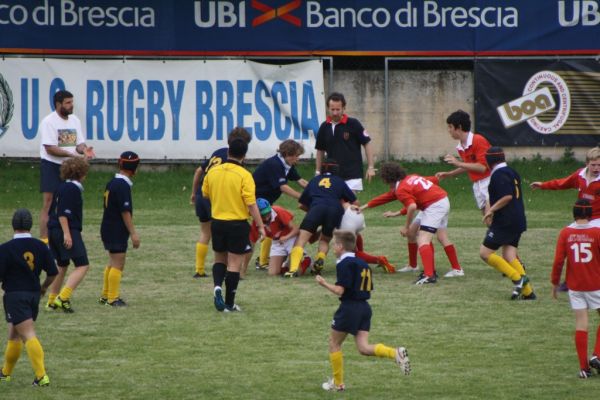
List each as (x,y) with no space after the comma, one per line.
(55,131)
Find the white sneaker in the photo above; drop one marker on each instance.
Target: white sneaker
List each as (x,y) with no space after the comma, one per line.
(332,387)
(235,308)
(408,268)
(402,360)
(454,273)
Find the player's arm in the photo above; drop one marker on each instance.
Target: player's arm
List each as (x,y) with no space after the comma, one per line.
(253,209)
(335,289)
(46,284)
(502,202)
(293,232)
(370,173)
(465,166)
(560,254)
(195,183)
(411,210)
(56,151)
(287,189)
(64,225)
(569,182)
(319,161)
(128,221)
(450,174)
(85,150)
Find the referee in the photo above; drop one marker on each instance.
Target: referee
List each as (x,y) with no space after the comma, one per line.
(231,191)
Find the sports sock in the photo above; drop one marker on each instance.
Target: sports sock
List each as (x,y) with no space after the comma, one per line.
(321,255)
(295,258)
(336,359)
(597,346)
(65,293)
(265,250)
(384,351)
(427,259)
(51,298)
(516,264)
(105,282)
(114,284)
(218,271)
(11,355)
(201,251)
(360,253)
(359,243)
(500,264)
(45,240)
(413,250)
(432,256)
(36,356)
(581,345)
(452,257)
(231,283)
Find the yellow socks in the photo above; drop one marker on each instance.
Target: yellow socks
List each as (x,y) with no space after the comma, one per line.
(384,351)
(65,293)
(337,366)
(201,251)
(51,298)
(527,288)
(265,250)
(295,258)
(36,356)
(105,282)
(321,255)
(11,355)
(114,283)
(501,265)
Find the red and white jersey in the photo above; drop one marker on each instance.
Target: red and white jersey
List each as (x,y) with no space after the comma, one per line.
(279,225)
(423,191)
(586,189)
(474,152)
(579,244)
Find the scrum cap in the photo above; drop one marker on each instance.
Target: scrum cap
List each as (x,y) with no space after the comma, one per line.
(129,161)
(22,220)
(263,206)
(494,155)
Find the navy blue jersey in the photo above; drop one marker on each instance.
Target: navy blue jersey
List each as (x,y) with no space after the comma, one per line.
(117,199)
(22,260)
(506,181)
(354,275)
(67,202)
(326,190)
(219,156)
(270,175)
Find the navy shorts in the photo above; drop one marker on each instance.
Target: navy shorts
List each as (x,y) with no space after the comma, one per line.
(77,252)
(352,316)
(328,218)
(203,208)
(230,236)
(114,239)
(21,306)
(49,176)
(496,238)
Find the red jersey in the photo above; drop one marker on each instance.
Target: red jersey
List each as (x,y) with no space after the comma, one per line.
(279,225)
(474,152)
(423,191)
(586,189)
(580,245)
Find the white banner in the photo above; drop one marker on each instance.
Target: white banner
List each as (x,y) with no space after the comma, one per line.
(163,109)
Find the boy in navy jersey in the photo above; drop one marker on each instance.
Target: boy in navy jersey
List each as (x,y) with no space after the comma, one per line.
(65,223)
(22,260)
(202,204)
(353,286)
(117,225)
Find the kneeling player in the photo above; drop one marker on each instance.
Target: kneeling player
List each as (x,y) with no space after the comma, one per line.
(353,286)
(322,198)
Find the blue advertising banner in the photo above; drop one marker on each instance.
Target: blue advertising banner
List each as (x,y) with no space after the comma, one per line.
(300,27)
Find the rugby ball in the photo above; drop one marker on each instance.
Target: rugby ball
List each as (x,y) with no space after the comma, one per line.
(353,221)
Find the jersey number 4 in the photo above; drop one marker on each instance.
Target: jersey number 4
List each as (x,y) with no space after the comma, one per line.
(325,182)
(582,252)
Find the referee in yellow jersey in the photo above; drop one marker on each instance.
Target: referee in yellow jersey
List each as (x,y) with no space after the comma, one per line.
(231,191)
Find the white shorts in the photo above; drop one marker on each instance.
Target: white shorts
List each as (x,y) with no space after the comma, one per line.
(584,300)
(480,192)
(355,184)
(279,249)
(436,215)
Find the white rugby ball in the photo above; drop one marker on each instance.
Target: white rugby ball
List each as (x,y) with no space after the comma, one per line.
(353,221)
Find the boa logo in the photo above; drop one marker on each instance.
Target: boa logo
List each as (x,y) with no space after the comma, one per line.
(6,105)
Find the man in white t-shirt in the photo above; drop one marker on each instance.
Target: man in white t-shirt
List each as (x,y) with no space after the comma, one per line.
(61,138)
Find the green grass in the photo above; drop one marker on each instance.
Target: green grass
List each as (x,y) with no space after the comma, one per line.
(465,338)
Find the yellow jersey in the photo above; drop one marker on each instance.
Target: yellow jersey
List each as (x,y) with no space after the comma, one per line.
(230,189)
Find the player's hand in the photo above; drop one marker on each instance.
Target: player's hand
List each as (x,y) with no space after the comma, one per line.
(555,291)
(135,240)
(450,159)
(67,242)
(441,175)
(320,280)
(43,291)
(262,233)
(193,199)
(535,185)
(89,153)
(370,173)
(391,214)
(487,218)
(404,231)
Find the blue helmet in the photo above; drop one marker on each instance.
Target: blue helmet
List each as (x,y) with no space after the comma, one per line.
(264,207)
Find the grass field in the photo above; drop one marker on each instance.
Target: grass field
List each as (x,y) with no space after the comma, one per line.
(465,338)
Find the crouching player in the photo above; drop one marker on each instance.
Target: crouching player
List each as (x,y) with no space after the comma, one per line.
(22,260)
(117,225)
(353,286)
(322,199)
(579,244)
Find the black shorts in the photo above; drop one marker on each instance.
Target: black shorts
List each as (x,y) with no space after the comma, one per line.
(496,238)
(21,306)
(49,176)
(114,239)
(328,218)
(352,316)
(203,209)
(230,236)
(77,252)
